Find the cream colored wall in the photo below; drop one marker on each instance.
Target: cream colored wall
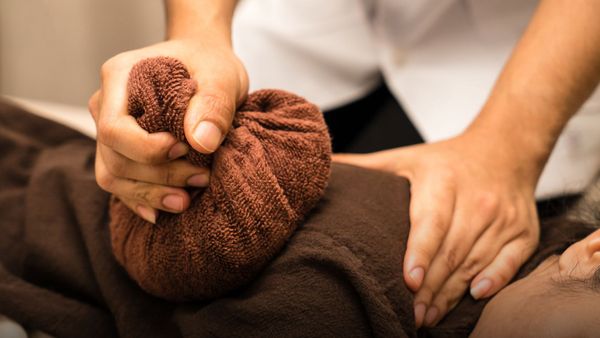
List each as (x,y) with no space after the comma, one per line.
(53,49)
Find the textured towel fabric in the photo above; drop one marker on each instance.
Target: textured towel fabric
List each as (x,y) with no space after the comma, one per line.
(270,171)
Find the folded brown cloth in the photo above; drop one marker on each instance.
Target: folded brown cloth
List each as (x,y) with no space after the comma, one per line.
(269,172)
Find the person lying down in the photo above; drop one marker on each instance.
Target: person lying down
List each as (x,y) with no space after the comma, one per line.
(338,273)
(561,296)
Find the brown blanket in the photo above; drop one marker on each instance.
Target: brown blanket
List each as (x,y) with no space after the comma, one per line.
(339,275)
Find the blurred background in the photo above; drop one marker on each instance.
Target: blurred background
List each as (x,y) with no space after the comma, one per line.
(52,50)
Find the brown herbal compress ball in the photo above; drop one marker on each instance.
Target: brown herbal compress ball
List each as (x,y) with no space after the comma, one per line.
(271,169)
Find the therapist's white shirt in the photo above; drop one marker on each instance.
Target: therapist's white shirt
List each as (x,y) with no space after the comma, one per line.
(440,59)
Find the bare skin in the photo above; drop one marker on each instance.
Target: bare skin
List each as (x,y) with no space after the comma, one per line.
(472,212)
(143,169)
(473,215)
(536,307)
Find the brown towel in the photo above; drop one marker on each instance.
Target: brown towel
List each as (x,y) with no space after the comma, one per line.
(270,170)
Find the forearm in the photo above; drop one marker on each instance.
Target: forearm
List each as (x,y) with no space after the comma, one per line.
(191,19)
(552,71)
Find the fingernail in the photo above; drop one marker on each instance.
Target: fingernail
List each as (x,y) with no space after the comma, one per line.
(417,275)
(199,180)
(431,316)
(481,288)
(178,150)
(173,202)
(419,314)
(147,213)
(208,135)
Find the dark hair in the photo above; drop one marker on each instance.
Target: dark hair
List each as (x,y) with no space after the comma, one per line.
(585,217)
(573,285)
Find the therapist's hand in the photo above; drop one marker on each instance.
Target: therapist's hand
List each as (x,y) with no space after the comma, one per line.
(143,169)
(473,217)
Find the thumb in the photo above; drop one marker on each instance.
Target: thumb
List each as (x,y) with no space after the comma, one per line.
(386,160)
(359,160)
(208,118)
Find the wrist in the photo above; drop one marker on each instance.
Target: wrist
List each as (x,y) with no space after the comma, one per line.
(200,20)
(521,143)
(218,34)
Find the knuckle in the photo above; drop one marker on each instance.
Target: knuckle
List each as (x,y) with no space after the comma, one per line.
(150,194)
(219,107)
(143,193)
(104,180)
(488,203)
(434,222)
(170,177)
(93,105)
(116,166)
(437,224)
(510,215)
(417,217)
(511,265)
(111,65)
(150,157)
(421,251)
(448,175)
(528,234)
(471,267)
(107,68)
(107,133)
(450,259)
(156,148)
